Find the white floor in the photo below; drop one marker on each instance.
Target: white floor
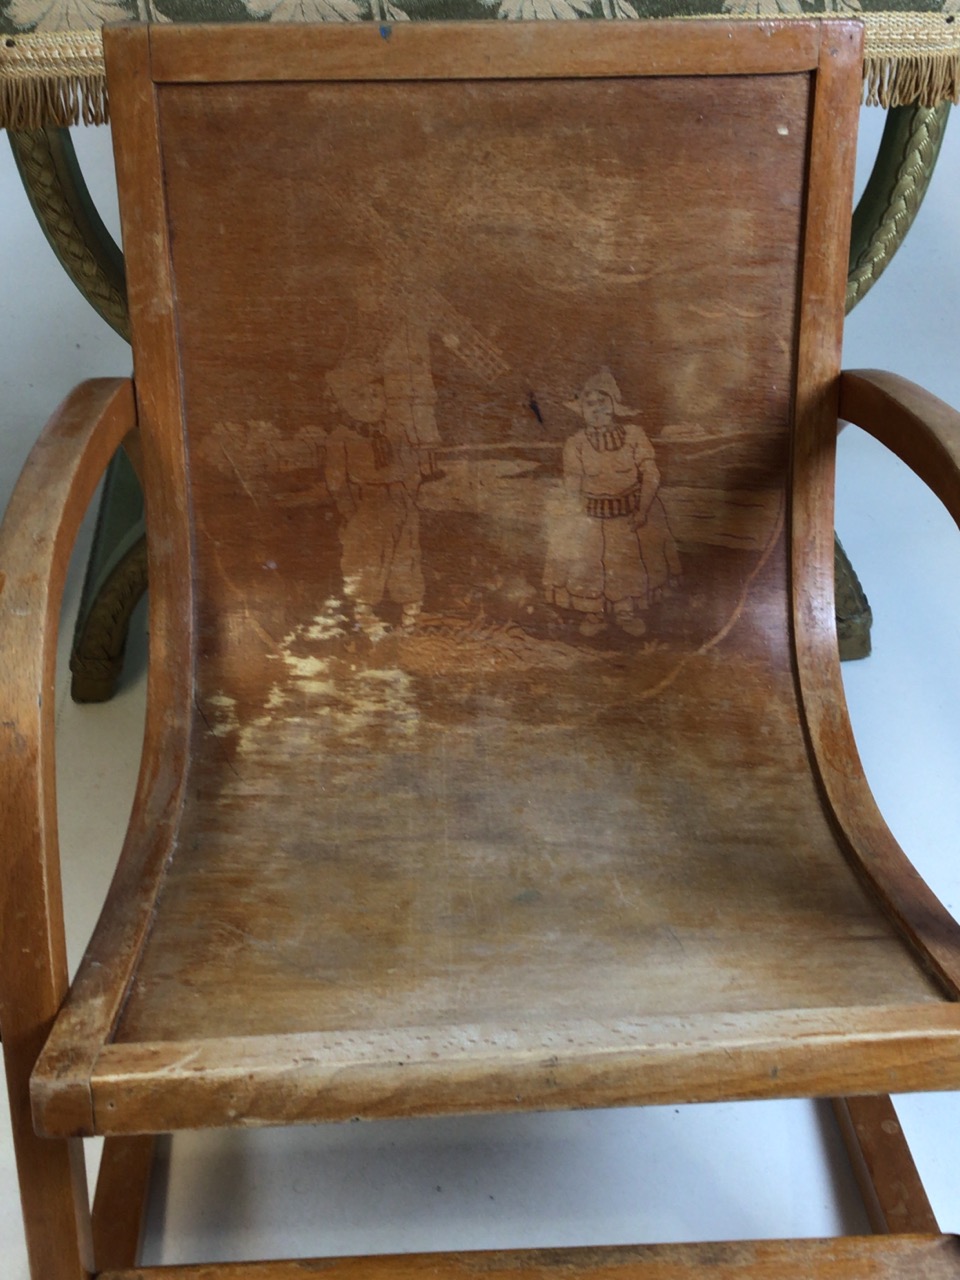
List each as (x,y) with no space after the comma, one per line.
(759,1169)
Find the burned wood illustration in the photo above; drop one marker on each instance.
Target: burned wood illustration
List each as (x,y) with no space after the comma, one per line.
(609,550)
(496,755)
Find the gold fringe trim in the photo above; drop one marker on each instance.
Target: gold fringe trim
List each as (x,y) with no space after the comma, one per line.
(906,81)
(35,103)
(57,78)
(52,79)
(911,58)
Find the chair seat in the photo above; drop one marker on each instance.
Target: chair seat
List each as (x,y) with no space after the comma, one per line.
(421,924)
(435,882)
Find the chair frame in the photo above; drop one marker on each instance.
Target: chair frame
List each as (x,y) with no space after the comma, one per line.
(85,1085)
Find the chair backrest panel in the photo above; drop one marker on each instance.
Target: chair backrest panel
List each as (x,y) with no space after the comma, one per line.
(492,391)
(394,304)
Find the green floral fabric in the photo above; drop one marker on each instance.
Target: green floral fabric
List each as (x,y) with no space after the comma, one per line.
(18,16)
(51,68)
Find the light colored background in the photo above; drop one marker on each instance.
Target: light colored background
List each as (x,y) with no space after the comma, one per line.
(745,1170)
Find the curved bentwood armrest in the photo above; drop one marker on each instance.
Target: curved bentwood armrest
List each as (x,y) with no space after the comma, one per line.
(925,433)
(36,538)
(921,430)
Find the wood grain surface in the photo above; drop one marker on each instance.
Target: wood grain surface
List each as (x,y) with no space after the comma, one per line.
(903,1258)
(481,50)
(889,1182)
(36,539)
(495,701)
(496,754)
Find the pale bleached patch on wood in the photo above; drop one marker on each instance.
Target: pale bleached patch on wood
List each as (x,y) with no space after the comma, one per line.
(223,720)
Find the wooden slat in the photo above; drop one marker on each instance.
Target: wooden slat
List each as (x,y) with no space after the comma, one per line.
(97,993)
(868,1258)
(37,537)
(482,50)
(869,844)
(302,1078)
(893,1194)
(920,429)
(123,1185)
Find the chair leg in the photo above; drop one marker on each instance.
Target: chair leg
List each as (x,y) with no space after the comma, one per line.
(893,1194)
(53,1193)
(120,1203)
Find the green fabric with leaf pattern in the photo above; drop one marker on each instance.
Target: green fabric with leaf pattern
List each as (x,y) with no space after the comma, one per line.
(51,66)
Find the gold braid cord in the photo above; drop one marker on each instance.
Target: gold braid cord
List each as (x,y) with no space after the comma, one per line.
(73,237)
(910,167)
(853,612)
(100,643)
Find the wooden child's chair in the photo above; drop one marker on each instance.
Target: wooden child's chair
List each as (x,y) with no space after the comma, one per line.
(496,755)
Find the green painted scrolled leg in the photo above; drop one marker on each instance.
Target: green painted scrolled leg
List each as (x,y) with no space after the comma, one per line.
(55,187)
(116,580)
(894,192)
(898,182)
(116,575)
(854,617)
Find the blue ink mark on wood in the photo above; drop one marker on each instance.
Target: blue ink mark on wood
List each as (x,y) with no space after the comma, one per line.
(385,31)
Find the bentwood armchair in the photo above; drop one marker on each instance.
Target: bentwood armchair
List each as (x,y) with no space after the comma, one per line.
(496,753)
